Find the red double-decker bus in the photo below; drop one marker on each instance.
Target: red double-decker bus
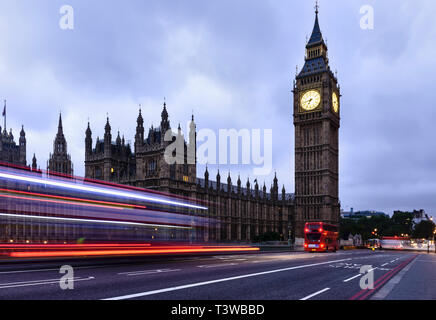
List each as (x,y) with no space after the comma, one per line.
(321,237)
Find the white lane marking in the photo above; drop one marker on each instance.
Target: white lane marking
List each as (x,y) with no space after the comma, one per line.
(217,265)
(315,294)
(146,272)
(356,276)
(57,269)
(236,260)
(148,293)
(38,282)
(385,264)
(352,278)
(26,271)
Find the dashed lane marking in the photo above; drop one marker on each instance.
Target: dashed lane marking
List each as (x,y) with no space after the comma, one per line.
(217,265)
(356,276)
(39,282)
(315,294)
(147,272)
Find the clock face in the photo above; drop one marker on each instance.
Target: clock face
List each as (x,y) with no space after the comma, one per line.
(310,100)
(335,102)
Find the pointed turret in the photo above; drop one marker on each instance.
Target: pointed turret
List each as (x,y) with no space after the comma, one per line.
(316,52)
(60,128)
(275,188)
(60,160)
(229,183)
(88,141)
(118,141)
(107,139)
(140,120)
(22,146)
(316,37)
(107,128)
(192,145)
(22,133)
(88,130)
(22,136)
(256,188)
(139,136)
(34,163)
(206,178)
(218,180)
(164,124)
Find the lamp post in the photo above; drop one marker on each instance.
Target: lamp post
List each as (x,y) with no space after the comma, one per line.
(434,242)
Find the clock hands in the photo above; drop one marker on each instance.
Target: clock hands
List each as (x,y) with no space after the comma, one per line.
(310,100)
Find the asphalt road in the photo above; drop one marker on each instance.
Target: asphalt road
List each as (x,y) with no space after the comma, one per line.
(262,276)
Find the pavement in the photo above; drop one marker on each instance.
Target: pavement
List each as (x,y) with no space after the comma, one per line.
(258,276)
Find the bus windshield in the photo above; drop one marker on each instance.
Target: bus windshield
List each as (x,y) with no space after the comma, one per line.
(313,236)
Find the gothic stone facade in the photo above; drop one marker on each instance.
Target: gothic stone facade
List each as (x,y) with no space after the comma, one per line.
(243,213)
(317,120)
(10,152)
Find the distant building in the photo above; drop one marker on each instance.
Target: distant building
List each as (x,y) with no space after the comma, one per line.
(362,214)
(419,216)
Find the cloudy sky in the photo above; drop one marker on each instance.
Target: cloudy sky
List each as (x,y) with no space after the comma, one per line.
(231,63)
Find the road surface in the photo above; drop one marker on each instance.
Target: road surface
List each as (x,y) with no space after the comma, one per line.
(259,276)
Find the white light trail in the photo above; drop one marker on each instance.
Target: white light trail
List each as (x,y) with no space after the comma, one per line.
(97,190)
(92,220)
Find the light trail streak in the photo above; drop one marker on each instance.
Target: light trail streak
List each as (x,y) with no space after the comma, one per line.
(72,186)
(94,221)
(58,202)
(52,254)
(112,204)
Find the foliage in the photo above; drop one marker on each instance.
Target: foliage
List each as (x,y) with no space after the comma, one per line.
(401,223)
(424,229)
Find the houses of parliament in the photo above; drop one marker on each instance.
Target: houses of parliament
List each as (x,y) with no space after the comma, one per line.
(244,210)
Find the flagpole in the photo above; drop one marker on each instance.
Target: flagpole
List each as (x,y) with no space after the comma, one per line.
(4,114)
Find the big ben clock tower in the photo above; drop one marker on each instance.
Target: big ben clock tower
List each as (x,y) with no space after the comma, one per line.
(317,121)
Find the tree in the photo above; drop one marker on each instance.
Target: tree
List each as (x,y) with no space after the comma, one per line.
(424,230)
(403,223)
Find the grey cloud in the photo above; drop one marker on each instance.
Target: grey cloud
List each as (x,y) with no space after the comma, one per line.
(232,63)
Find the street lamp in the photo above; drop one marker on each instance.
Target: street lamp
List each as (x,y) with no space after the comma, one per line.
(434,243)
